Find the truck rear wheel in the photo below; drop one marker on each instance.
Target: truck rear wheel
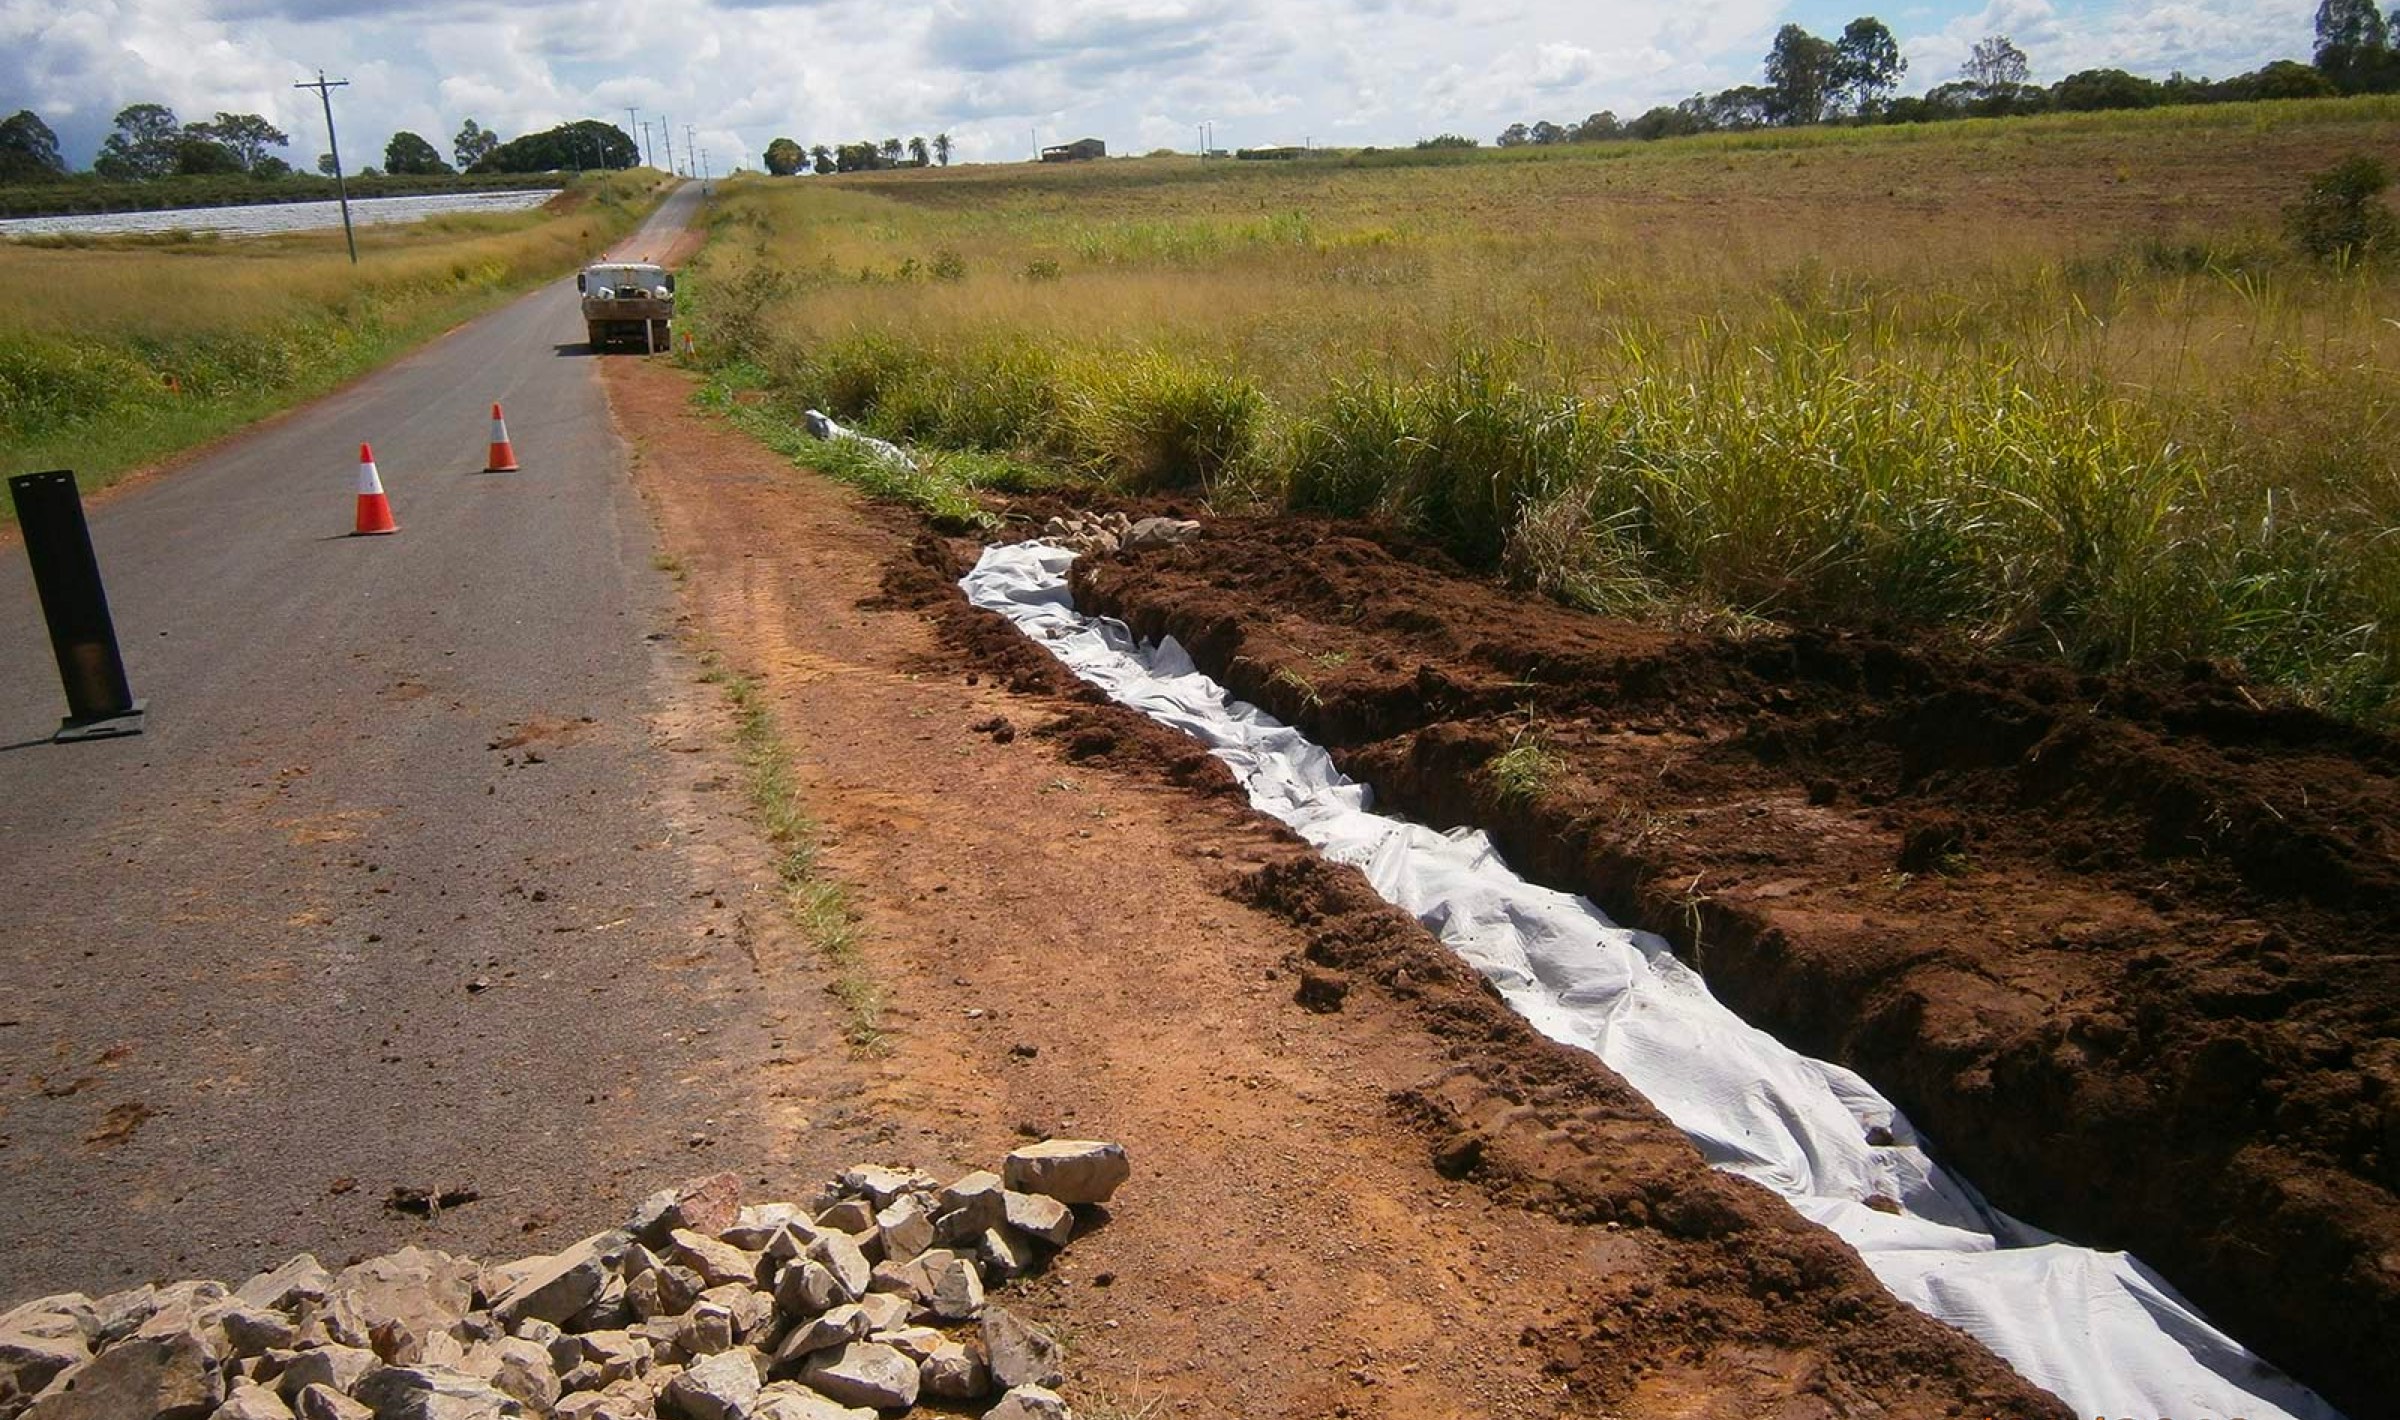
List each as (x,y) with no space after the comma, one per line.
(594,336)
(662,336)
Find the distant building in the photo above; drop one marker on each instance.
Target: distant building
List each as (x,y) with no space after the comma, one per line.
(1076,151)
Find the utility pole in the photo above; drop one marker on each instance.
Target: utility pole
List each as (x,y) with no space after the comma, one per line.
(341,185)
(633,116)
(687,147)
(649,149)
(666,135)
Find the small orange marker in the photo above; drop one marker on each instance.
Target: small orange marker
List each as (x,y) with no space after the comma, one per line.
(374,510)
(504,456)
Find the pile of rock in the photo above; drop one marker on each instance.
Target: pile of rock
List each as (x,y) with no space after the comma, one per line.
(699,1308)
(1109,532)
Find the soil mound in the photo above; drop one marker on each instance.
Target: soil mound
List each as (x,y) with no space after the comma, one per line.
(2128,948)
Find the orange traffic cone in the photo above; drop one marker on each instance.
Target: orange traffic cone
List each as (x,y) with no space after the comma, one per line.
(504,457)
(374,510)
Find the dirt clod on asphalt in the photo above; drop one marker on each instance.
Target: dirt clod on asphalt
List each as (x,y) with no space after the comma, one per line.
(1412,1206)
(2127,948)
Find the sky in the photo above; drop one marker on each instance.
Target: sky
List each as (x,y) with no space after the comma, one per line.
(1001,76)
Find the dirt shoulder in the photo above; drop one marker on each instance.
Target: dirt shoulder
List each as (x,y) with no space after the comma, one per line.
(1400,1203)
(2127,950)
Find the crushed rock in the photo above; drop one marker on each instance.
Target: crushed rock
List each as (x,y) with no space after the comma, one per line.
(697,1308)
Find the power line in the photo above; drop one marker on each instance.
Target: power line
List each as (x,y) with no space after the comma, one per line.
(333,146)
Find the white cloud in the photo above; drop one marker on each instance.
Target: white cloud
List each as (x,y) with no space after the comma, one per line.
(994,73)
(2216,38)
(1562,66)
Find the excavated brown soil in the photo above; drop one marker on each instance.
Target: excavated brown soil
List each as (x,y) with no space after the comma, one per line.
(1362,1186)
(2127,949)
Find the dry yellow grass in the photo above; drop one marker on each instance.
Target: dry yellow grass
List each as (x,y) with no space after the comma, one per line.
(2057,382)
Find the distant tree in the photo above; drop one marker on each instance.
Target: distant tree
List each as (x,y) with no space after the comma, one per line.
(472,145)
(28,149)
(2351,24)
(143,145)
(1742,107)
(247,136)
(1449,140)
(586,142)
(941,148)
(1599,128)
(2094,89)
(890,150)
(1995,65)
(1546,133)
(1516,135)
(2285,79)
(325,164)
(785,157)
(918,154)
(1956,99)
(1670,121)
(272,168)
(1867,65)
(2354,45)
(409,153)
(1800,76)
(856,158)
(821,158)
(196,156)
(2342,217)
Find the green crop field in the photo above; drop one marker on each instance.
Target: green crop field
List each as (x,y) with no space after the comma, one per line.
(115,352)
(2063,385)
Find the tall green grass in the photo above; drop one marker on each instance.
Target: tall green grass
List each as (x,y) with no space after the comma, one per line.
(1891,379)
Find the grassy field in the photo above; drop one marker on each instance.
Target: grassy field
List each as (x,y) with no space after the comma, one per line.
(116,352)
(2062,385)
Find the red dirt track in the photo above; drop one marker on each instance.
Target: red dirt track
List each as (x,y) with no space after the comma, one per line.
(1363,1187)
(2128,950)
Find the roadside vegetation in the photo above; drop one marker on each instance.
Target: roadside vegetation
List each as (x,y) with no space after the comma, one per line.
(2073,385)
(115,352)
(819,906)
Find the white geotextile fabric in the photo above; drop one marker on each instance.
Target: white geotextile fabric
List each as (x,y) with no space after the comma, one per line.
(2097,1329)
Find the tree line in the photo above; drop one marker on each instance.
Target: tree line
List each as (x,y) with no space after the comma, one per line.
(787,158)
(148,143)
(1855,78)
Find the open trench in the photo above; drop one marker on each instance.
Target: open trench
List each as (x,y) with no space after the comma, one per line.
(1416,729)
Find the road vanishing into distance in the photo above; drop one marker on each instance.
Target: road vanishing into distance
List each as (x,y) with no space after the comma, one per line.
(393,893)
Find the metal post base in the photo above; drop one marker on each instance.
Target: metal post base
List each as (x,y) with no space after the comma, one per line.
(107,727)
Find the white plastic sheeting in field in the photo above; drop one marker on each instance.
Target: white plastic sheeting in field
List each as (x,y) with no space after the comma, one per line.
(2097,1329)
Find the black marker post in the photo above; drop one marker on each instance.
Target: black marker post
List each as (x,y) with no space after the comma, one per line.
(59,545)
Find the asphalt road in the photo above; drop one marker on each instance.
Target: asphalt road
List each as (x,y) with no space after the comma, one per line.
(396,891)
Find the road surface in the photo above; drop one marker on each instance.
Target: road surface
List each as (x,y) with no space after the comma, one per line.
(401,888)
